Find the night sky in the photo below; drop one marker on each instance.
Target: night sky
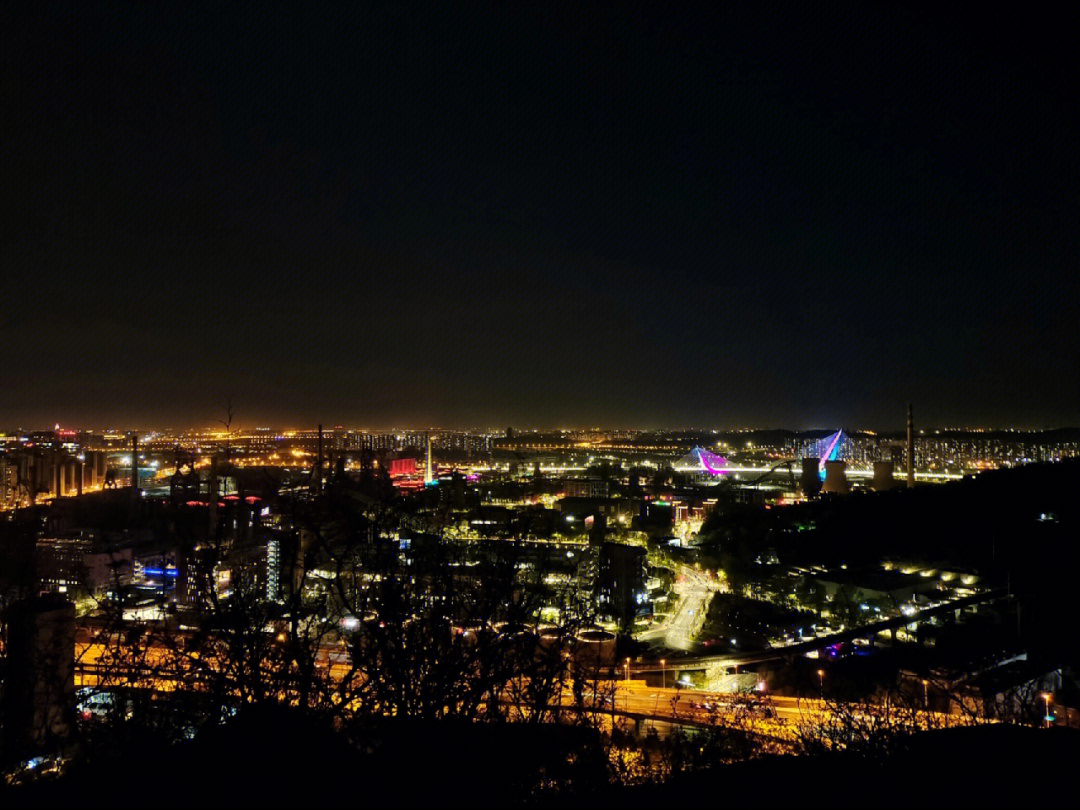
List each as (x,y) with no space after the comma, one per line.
(486,216)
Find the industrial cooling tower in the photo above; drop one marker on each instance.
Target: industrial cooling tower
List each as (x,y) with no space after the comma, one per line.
(594,649)
(810,480)
(883,476)
(835,480)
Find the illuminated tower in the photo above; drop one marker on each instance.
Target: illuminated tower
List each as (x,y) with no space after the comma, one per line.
(910,447)
(428,477)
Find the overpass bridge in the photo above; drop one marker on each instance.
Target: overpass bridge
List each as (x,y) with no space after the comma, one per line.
(870,630)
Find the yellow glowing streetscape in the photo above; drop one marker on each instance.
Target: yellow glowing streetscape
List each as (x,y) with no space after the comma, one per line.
(778,718)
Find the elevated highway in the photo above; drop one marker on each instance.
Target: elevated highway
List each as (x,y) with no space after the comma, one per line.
(819,642)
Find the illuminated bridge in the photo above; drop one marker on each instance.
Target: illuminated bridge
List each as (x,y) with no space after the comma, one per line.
(701,460)
(832,448)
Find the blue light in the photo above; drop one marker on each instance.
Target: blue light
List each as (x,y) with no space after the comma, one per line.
(160,572)
(829,449)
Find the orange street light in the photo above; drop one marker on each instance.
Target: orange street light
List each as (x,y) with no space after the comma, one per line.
(821,684)
(1046,700)
(663,670)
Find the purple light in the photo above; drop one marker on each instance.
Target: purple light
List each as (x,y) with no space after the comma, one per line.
(712,463)
(833,440)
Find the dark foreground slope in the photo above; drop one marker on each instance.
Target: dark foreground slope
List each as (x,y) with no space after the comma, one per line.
(989,766)
(280,761)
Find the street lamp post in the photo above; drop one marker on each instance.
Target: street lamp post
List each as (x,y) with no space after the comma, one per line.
(821,684)
(627,678)
(925,696)
(663,676)
(1046,701)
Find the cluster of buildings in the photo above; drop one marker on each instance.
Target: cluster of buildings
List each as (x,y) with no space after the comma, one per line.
(214,530)
(45,464)
(959,451)
(49,465)
(610,527)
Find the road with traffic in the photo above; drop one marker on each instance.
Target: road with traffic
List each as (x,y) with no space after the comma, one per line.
(809,645)
(694,590)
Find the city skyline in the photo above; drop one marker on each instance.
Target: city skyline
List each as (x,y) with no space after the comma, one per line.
(602,404)
(500,429)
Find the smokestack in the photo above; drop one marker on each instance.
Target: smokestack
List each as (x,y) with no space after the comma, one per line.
(134,466)
(835,479)
(910,447)
(212,492)
(318,464)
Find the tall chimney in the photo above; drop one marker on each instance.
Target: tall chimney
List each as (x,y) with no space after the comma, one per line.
(213,489)
(318,464)
(135,466)
(910,447)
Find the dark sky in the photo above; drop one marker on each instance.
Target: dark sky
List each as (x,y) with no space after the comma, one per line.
(480,215)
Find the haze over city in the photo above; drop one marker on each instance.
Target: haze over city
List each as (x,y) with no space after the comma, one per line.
(539,217)
(614,405)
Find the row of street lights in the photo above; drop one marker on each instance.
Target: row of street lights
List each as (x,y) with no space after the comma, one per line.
(1046,696)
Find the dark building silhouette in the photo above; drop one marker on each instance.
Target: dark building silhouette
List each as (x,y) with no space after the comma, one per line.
(620,583)
(39,688)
